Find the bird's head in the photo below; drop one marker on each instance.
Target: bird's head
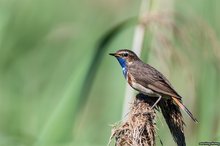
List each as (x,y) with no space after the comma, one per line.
(125,57)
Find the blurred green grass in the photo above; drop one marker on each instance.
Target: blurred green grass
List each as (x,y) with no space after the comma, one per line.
(45,50)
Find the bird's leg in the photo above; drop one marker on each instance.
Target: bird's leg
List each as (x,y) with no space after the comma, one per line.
(156,101)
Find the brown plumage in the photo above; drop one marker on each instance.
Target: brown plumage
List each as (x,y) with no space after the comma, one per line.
(146,79)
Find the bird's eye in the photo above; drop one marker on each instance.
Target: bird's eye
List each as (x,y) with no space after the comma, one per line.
(125,54)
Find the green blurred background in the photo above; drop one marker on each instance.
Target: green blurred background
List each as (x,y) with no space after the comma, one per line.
(46,47)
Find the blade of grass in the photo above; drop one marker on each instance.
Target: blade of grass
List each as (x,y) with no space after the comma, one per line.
(75,97)
(100,49)
(59,125)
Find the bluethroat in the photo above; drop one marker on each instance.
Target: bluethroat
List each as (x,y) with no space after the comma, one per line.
(147,80)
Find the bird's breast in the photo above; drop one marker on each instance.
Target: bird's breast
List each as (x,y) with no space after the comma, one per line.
(130,79)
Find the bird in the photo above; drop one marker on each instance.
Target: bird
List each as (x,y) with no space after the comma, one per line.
(147,80)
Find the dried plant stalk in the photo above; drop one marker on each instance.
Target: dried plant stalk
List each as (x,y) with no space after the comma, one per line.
(139,127)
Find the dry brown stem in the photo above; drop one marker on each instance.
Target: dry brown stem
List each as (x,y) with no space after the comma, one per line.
(139,128)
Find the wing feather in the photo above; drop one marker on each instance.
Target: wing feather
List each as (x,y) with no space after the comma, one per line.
(149,77)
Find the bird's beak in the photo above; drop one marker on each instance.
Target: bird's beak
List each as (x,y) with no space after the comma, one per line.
(112,54)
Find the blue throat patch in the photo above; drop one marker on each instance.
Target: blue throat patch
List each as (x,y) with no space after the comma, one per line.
(123,65)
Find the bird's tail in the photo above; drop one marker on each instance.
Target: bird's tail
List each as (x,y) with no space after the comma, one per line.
(180,104)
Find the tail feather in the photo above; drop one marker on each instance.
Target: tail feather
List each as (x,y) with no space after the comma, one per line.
(172,115)
(180,104)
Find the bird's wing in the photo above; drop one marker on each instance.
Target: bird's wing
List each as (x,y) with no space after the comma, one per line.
(150,78)
(163,88)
